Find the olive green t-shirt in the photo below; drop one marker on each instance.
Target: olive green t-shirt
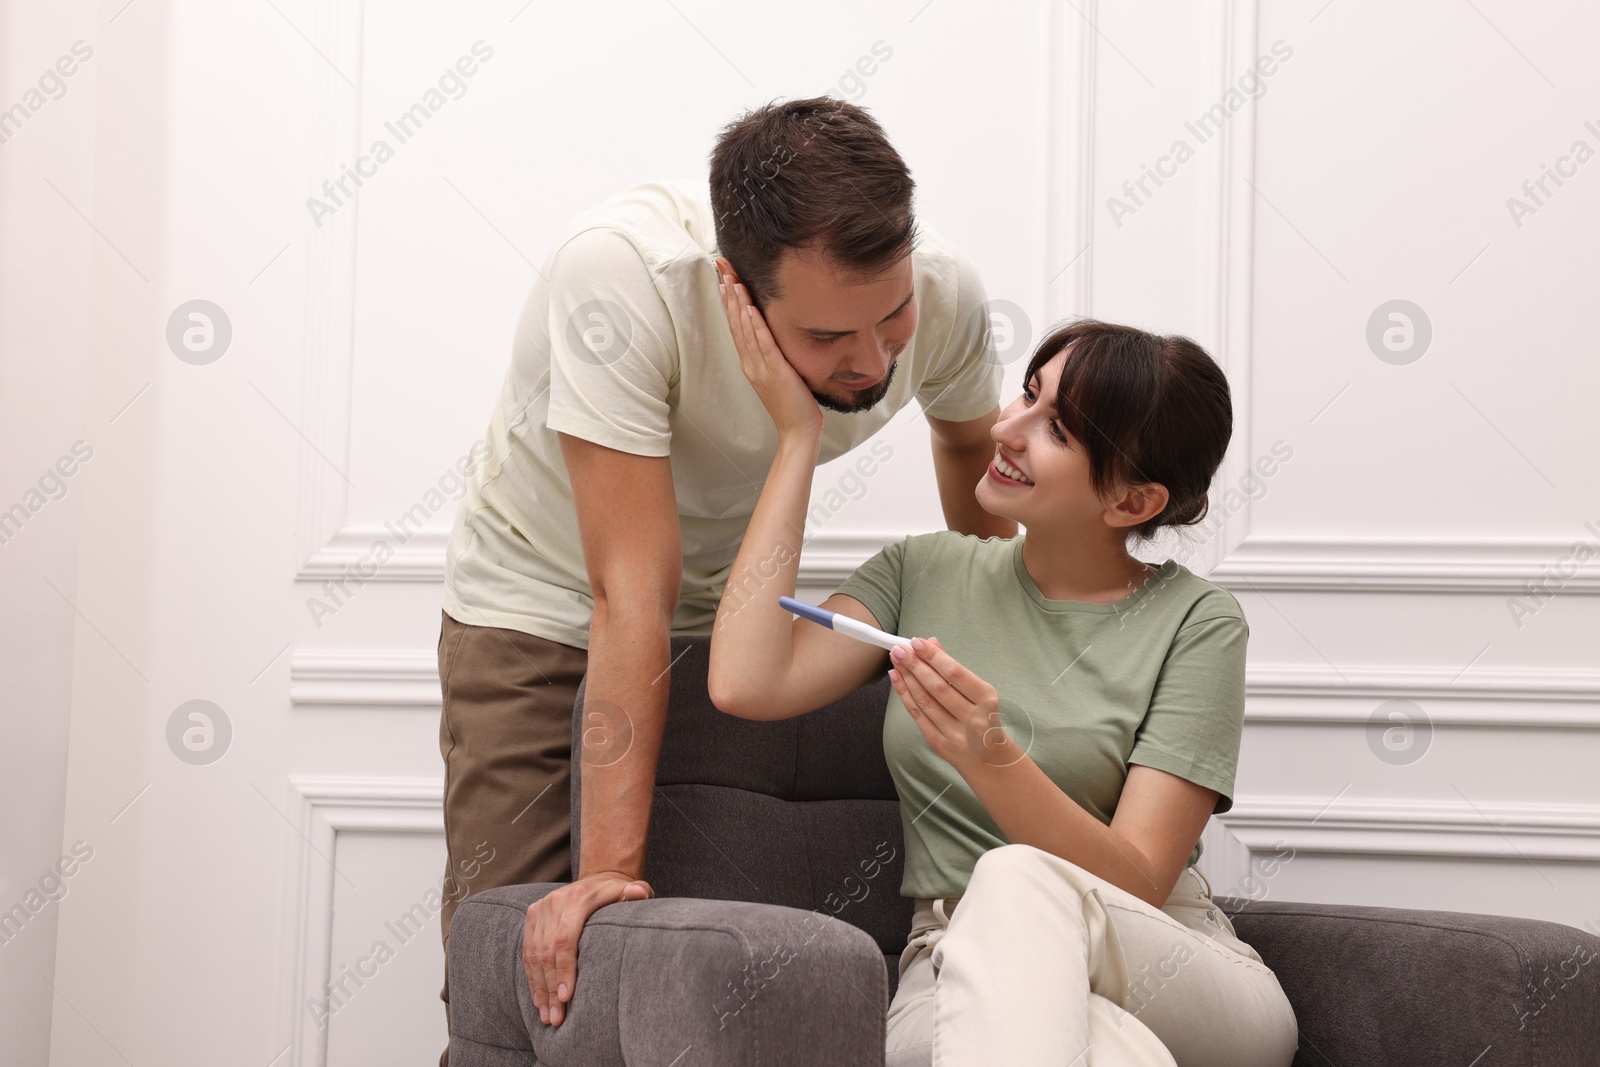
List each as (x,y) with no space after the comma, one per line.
(1156,678)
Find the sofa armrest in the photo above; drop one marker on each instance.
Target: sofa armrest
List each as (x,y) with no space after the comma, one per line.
(741,983)
(1379,986)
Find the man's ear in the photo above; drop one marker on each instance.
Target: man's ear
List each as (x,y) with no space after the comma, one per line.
(1136,504)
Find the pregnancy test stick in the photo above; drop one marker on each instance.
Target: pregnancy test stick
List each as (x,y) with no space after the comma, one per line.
(843,624)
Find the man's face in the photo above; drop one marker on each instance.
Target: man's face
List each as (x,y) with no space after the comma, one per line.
(841,333)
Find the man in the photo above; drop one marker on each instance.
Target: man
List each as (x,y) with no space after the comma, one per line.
(625,457)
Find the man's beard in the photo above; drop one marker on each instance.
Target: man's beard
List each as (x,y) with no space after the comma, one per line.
(864,400)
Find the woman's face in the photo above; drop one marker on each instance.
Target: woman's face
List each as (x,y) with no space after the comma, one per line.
(1030,438)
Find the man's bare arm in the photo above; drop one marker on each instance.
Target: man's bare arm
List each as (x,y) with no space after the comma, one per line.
(627,516)
(962,452)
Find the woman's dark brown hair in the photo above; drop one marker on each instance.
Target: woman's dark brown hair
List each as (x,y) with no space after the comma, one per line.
(1147,408)
(809,173)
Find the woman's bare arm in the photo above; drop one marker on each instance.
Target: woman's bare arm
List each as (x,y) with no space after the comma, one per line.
(765,664)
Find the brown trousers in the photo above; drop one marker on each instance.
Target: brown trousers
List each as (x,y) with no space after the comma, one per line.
(505,732)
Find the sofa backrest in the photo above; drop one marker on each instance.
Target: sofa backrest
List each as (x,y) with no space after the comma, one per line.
(800,812)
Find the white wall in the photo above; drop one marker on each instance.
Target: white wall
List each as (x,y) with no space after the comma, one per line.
(45,280)
(1382,561)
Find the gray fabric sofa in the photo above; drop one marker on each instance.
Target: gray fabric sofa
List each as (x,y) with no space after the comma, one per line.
(776,855)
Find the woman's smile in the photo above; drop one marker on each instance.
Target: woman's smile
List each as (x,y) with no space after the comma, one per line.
(1006,474)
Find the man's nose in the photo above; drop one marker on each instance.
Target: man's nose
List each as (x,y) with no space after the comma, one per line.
(883,353)
(872,364)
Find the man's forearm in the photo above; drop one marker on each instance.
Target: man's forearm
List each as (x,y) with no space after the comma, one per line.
(958,471)
(624,714)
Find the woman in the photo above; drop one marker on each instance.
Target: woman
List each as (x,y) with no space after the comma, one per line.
(1051,824)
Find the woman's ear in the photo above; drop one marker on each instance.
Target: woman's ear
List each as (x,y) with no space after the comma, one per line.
(1137,504)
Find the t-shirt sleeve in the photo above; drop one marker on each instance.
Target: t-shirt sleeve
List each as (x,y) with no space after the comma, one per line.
(877,583)
(613,353)
(1196,715)
(965,383)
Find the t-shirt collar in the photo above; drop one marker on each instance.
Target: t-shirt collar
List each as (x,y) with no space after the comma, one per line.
(1166,571)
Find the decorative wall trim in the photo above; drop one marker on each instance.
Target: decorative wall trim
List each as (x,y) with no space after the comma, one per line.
(1328,565)
(1227,223)
(1069,200)
(831,556)
(1389,826)
(1293,693)
(1486,697)
(323,807)
(827,559)
(421,559)
(335,131)
(369,678)
(1363,565)
(1347,565)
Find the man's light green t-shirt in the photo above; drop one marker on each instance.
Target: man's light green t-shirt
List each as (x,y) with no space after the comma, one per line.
(1156,678)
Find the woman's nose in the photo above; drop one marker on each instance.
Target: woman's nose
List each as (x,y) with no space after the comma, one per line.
(1004,430)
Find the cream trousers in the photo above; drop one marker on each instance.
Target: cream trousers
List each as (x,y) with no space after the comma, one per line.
(1043,963)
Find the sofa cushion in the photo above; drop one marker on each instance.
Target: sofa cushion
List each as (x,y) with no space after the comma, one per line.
(1374,985)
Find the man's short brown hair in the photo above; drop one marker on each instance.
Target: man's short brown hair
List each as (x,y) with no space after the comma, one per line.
(815,173)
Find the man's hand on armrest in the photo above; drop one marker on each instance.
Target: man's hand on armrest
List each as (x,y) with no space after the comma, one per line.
(628,519)
(552,928)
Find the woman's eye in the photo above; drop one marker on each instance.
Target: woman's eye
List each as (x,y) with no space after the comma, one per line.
(1055,427)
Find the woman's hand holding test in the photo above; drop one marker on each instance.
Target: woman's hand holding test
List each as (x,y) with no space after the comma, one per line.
(957,712)
(781,389)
